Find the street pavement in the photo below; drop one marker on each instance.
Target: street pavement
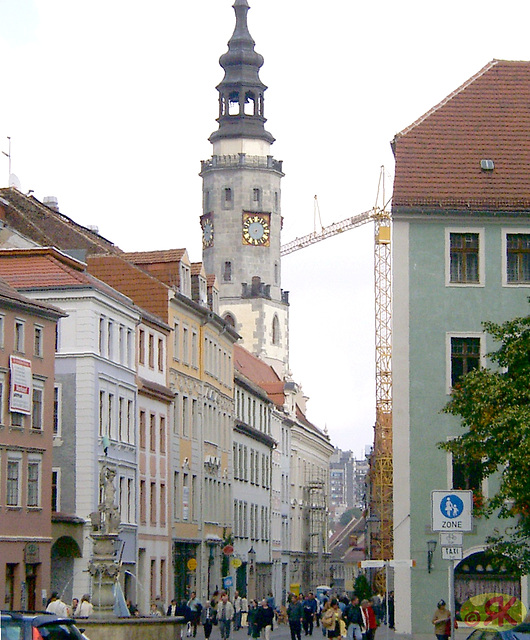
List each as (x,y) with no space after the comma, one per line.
(282,632)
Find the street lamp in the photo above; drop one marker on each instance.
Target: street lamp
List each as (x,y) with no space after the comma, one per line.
(431,547)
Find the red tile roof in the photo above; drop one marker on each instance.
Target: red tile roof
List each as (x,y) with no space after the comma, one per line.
(148,257)
(163,264)
(438,157)
(48,268)
(260,373)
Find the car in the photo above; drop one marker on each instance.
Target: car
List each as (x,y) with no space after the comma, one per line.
(21,625)
(520,632)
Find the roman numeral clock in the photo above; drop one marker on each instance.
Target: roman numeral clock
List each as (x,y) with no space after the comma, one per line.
(256,229)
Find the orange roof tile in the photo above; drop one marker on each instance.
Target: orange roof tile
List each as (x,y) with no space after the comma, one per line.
(438,157)
(148,257)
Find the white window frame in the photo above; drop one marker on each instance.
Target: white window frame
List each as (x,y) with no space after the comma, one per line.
(57,410)
(461,334)
(36,461)
(481,256)
(505,232)
(16,458)
(19,338)
(38,345)
(38,389)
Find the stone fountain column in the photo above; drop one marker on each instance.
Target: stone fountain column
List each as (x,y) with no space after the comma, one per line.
(103,566)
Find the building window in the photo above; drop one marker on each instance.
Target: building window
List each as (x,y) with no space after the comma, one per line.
(101,340)
(160,354)
(38,341)
(176,341)
(142,429)
(141,346)
(56,489)
(185,417)
(162,434)
(13,483)
(152,432)
(33,484)
(518,258)
(227,272)
(2,326)
(163,504)
(110,340)
(275,331)
(151,350)
(57,410)
(185,346)
(464,258)
(19,336)
(36,409)
(228,199)
(153,503)
(194,350)
(256,196)
(465,356)
(2,397)
(466,476)
(143,502)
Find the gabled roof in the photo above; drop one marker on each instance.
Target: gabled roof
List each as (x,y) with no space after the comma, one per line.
(48,227)
(46,268)
(10,297)
(438,157)
(162,264)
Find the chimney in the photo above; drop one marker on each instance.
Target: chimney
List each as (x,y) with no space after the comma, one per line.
(51,202)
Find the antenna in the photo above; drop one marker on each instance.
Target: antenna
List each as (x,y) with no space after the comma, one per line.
(8,155)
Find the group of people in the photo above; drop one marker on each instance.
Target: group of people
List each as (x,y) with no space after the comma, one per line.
(78,609)
(342,618)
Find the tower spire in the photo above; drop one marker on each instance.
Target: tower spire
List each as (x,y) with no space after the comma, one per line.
(241,92)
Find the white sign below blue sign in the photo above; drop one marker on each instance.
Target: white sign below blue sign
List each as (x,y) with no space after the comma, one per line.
(452,511)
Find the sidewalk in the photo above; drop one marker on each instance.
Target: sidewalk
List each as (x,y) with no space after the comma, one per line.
(282,632)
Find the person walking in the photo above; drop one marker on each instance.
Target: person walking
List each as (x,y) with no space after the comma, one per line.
(265,619)
(244,611)
(354,620)
(57,606)
(442,621)
(225,614)
(370,619)
(332,618)
(295,615)
(195,607)
(310,610)
(208,618)
(237,611)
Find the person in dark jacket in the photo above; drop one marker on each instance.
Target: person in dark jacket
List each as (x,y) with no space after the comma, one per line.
(208,618)
(295,615)
(310,610)
(354,620)
(265,619)
(253,630)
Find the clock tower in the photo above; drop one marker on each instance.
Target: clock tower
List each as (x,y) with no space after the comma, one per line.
(241,221)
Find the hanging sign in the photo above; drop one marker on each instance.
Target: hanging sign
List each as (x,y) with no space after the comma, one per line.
(21,385)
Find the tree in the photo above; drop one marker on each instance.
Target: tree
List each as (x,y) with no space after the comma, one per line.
(361,588)
(494,407)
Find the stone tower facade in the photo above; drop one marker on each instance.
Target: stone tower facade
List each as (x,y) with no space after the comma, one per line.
(242,221)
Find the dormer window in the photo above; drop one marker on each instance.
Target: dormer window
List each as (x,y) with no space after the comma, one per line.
(185,280)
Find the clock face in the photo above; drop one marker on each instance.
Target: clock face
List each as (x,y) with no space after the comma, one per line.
(256,229)
(207,232)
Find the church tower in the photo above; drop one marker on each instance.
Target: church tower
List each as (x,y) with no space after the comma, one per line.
(241,221)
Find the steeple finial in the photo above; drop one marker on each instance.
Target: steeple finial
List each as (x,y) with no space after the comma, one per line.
(241,92)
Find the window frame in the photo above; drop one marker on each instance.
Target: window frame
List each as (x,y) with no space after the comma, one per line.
(462,334)
(32,462)
(19,338)
(13,458)
(481,256)
(38,389)
(506,231)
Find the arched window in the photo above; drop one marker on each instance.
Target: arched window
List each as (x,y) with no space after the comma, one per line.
(229,319)
(250,104)
(233,104)
(275,330)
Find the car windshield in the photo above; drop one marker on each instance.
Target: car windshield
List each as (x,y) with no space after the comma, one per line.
(11,629)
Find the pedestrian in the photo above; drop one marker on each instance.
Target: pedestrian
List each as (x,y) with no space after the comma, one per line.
(253,630)
(354,620)
(265,619)
(73,607)
(244,611)
(332,618)
(195,607)
(225,615)
(57,606)
(442,621)
(237,611)
(310,610)
(370,621)
(160,605)
(208,618)
(85,608)
(295,615)
(391,610)
(154,612)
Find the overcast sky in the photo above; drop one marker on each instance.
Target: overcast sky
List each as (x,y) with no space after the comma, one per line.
(109,105)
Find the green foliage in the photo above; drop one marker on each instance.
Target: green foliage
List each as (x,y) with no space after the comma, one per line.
(362,587)
(494,408)
(225,560)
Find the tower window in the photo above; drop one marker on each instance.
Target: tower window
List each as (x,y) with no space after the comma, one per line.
(275,330)
(276,200)
(206,201)
(233,104)
(228,198)
(256,196)
(250,104)
(276,273)
(227,273)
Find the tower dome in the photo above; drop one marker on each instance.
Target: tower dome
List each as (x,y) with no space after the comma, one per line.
(241,92)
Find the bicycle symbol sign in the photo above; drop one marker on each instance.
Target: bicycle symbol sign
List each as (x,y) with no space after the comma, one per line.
(452,510)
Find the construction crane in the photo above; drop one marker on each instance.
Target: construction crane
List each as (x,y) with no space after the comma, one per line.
(380,516)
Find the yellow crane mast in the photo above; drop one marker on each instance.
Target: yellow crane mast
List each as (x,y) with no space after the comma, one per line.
(380,515)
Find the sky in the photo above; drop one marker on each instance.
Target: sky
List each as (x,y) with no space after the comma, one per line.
(109,105)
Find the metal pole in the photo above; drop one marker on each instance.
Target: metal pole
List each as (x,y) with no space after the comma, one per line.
(451,599)
(387,608)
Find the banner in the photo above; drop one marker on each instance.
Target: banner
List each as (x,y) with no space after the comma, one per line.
(20,396)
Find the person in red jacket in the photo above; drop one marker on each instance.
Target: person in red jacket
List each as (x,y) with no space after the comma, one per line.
(370,621)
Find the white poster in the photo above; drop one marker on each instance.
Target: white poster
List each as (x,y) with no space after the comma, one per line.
(20,395)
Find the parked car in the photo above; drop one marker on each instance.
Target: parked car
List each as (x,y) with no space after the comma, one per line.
(520,632)
(19,625)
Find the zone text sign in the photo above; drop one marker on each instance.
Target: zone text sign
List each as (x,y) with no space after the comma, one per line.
(452,511)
